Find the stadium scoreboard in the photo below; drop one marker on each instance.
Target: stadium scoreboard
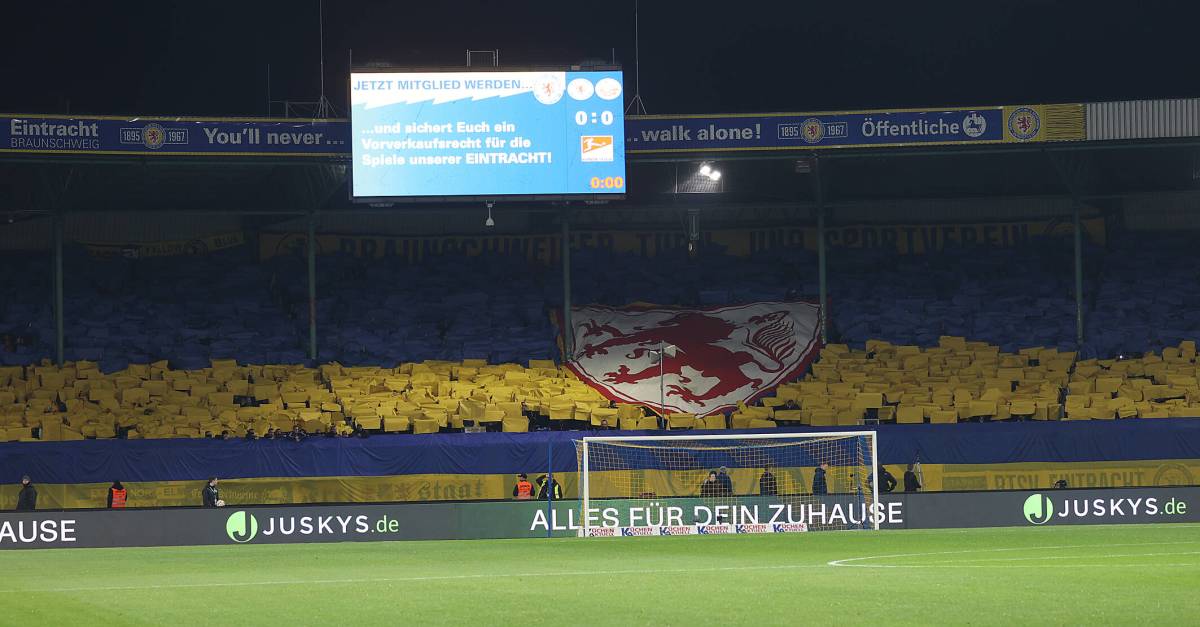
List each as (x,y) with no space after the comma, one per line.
(487,135)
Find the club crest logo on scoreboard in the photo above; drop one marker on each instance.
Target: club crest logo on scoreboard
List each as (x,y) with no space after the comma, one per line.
(548,88)
(596,148)
(1024,124)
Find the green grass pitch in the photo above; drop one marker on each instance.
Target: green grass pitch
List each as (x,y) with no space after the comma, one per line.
(1037,575)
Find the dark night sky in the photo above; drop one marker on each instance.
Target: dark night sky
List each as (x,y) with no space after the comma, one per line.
(210,58)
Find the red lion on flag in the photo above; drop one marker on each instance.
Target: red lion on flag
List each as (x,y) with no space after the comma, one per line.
(769,340)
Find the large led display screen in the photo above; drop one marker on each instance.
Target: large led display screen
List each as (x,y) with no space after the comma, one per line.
(487,135)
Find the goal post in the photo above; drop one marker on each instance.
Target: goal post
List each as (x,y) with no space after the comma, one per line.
(738,483)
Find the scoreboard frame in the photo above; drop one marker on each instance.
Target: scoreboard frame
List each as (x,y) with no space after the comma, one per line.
(597,198)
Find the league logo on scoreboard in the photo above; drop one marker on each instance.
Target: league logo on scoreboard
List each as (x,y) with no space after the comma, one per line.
(596,148)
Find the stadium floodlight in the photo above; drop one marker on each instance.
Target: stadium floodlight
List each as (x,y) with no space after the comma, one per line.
(766,483)
(705,169)
(489,221)
(715,175)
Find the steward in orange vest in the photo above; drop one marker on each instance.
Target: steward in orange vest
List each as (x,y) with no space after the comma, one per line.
(523,491)
(116,496)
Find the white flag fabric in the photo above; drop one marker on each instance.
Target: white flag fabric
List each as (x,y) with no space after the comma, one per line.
(722,356)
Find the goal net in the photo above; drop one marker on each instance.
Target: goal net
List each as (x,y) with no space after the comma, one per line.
(752,483)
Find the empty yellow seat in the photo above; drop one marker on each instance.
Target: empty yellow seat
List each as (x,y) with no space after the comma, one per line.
(868,400)
(849,417)
(981,409)
(629,411)
(943,416)
(789,415)
(681,421)
(518,424)
(396,424)
(824,417)
(909,415)
(371,422)
(425,425)
(648,423)
(1022,408)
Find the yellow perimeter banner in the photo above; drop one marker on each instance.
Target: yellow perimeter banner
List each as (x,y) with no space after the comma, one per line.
(465,487)
(909,239)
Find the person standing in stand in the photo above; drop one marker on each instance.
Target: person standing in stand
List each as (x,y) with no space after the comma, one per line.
(767,485)
(27,498)
(725,482)
(523,491)
(887,482)
(116,496)
(911,484)
(210,495)
(819,485)
(548,489)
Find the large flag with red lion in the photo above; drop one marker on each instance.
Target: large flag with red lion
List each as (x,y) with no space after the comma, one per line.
(712,359)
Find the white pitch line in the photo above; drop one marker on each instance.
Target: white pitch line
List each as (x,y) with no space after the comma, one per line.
(1067,557)
(846,561)
(571,573)
(1027,566)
